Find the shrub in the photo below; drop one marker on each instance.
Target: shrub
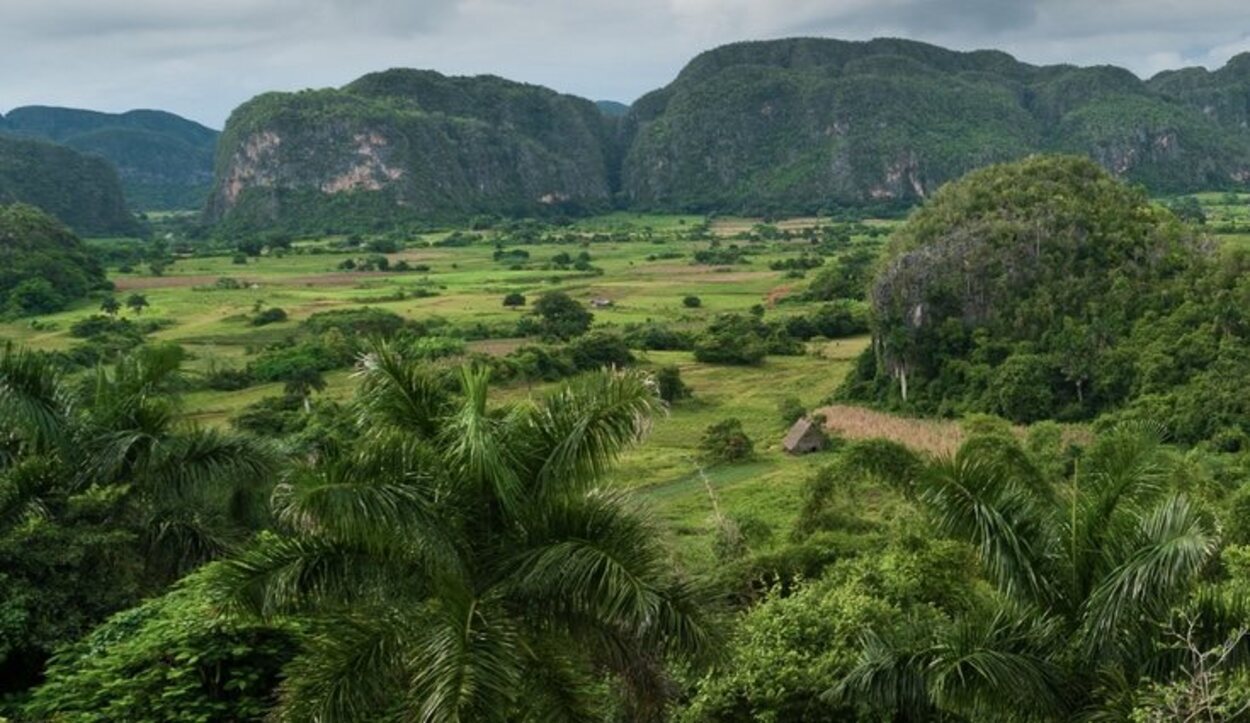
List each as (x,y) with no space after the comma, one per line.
(272,315)
(561,316)
(671,386)
(725,441)
(361,321)
(514,299)
(599,349)
(35,296)
(692,302)
(227,379)
(173,658)
(731,339)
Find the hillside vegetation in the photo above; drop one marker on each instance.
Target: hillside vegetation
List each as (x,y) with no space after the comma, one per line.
(79,189)
(407,144)
(797,125)
(164,161)
(777,127)
(43,266)
(1047,289)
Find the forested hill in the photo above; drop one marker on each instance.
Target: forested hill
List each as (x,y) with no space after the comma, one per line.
(164,161)
(794,125)
(785,126)
(408,143)
(81,190)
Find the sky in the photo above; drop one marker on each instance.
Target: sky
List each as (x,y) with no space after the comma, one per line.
(201,58)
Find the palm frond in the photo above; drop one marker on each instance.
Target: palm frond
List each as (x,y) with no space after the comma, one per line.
(354,668)
(988,664)
(974,498)
(1173,541)
(35,402)
(399,392)
(477,444)
(277,576)
(466,661)
(23,487)
(203,459)
(593,557)
(387,499)
(578,431)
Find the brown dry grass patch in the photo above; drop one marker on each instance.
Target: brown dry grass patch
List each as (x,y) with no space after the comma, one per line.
(933,436)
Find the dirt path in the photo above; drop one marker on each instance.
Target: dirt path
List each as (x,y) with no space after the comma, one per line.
(332,278)
(778,294)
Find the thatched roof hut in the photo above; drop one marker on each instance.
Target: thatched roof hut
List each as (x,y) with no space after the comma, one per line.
(805,436)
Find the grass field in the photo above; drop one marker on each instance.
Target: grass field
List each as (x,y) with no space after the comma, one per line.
(647,269)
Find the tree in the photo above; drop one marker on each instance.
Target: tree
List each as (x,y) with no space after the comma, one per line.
(107,492)
(137,302)
(670,384)
(463,562)
(35,296)
(561,316)
(725,441)
(514,299)
(110,305)
(302,382)
(1087,569)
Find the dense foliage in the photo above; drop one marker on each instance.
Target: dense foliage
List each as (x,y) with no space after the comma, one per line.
(164,162)
(789,126)
(798,125)
(1047,289)
(79,189)
(43,266)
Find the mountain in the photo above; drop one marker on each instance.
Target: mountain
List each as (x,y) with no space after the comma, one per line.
(164,161)
(81,190)
(612,108)
(784,126)
(796,125)
(406,144)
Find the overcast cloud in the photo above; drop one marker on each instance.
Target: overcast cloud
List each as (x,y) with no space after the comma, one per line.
(201,59)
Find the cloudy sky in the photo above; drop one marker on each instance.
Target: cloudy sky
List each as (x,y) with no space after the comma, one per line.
(201,59)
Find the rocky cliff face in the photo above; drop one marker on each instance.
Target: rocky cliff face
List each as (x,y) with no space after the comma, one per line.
(164,161)
(797,125)
(80,190)
(407,143)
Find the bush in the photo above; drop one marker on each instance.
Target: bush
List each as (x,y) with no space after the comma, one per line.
(725,441)
(362,321)
(731,339)
(514,299)
(227,379)
(34,296)
(272,315)
(437,347)
(599,349)
(692,302)
(561,316)
(670,384)
(173,658)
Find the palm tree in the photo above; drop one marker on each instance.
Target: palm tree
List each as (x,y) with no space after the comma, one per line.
(465,562)
(301,383)
(1086,570)
(190,492)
